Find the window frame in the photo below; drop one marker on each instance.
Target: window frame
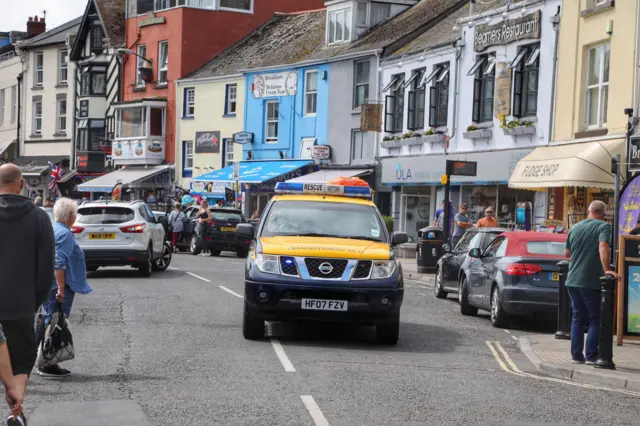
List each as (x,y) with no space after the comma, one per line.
(2,109)
(63,66)
(361,158)
(36,123)
(267,120)
(483,77)
(141,52)
(601,86)
(361,84)
(346,30)
(235,9)
(231,102)
(96,44)
(94,71)
(163,65)
(228,157)
(397,100)
(438,91)
(14,103)
(38,77)
(189,106)
(89,132)
(522,72)
(187,156)
(366,14)
(61,116)
(310,94)
(417,100)
(496,242)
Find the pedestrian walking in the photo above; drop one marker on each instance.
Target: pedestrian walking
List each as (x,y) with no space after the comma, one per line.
(489,220)
(70,272)
(461,223)
(204,217)
(13,397)
(589,252)
(26,262)
(176,224)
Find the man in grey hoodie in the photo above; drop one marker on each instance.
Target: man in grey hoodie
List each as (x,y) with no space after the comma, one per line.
(27,254)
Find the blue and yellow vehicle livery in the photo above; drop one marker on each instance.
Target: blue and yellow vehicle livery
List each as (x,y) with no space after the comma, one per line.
(322,252)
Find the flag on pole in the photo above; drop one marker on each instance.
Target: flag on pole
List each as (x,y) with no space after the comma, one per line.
(56,174)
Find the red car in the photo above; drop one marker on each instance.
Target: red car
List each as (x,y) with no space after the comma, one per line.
(516,275)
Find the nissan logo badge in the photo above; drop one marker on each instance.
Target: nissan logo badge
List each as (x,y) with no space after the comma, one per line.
(325,268)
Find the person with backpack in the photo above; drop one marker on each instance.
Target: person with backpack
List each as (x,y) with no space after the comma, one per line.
(176,225)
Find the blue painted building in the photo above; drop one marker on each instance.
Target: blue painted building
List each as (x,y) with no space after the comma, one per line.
(286,110)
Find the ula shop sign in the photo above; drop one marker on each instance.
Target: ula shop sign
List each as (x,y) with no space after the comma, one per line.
(505,32)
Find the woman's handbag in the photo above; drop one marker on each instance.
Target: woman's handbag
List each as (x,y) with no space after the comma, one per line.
(56,345)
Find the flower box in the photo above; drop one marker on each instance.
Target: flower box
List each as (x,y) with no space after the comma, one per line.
(435,138)
(520,130)
(392,144)
(418,140)
(478,134)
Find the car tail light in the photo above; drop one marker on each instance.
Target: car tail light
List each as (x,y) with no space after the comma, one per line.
(76,229)
(523,269)
(133,229)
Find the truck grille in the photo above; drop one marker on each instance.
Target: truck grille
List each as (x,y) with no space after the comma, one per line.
(288,266)
(325,268)
(362,270)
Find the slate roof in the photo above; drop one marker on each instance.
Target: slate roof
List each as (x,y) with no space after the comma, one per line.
(56,35)
(442,32)
(112,17)
(284,39)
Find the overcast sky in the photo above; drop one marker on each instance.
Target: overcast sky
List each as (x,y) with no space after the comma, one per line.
(15,13)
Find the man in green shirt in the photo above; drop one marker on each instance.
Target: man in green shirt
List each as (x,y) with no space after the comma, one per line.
(589,252)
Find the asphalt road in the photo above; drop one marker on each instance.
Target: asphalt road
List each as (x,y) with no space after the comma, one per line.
(173,343)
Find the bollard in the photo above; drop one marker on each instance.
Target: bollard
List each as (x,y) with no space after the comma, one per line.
(564,304)
(605,345)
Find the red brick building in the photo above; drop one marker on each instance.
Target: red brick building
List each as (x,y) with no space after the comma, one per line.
(169,39)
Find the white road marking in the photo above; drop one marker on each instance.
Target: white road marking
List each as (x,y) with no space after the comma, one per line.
(514,337)
(512,368)
(506,331)
(221,287)
(314,410)
(282,356)
(173,269)
(199,277)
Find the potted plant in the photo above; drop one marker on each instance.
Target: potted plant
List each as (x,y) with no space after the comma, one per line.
(474,133)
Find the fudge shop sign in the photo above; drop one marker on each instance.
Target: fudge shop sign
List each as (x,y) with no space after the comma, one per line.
(508,31)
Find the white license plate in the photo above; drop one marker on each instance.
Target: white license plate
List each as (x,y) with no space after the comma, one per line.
(324,305)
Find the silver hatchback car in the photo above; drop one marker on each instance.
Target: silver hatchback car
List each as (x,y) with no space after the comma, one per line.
(121,234)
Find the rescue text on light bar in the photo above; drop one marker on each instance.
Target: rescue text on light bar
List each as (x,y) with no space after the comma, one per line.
(323,189)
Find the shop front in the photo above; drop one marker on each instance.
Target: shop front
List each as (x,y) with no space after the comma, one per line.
(137,182)
(257,180)
(572,176)
(418,191)
(36,171)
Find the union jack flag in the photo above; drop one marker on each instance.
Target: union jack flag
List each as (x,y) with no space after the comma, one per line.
(56,174)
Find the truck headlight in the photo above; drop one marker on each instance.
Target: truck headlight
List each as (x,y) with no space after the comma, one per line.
(383,269)
(267,263)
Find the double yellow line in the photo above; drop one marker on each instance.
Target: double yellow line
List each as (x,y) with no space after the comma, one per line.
(507,364)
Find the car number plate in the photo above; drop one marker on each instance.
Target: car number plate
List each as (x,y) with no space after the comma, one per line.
(324,305)
(227,229)
(102,236)
(554,276)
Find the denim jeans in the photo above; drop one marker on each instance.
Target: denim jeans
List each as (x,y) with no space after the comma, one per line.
(51,305)
(585,304)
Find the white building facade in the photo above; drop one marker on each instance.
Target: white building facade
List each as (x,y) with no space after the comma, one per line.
(473,88)
(10,69)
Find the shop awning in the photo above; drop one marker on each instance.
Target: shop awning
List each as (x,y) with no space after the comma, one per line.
(128,175)
(254,171)
(585,164)
(322,176)
(5,145)
(37,164)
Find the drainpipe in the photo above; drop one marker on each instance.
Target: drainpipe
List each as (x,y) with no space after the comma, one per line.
(18,112)
(552,117)
(456,92)
(376,154)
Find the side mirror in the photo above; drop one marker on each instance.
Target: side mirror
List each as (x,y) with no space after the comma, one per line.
(476,253)
(446,247)
(246,230)
(163,220)
(398,238)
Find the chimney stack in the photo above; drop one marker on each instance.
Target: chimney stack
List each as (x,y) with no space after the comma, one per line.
(35,26)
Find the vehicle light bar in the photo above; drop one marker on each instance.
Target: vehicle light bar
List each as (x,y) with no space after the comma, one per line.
(323,189)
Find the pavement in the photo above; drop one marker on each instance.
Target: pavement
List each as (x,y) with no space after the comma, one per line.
(168,350)
(410,269)
(552,357)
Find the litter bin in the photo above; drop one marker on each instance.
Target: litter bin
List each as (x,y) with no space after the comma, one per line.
(429,250)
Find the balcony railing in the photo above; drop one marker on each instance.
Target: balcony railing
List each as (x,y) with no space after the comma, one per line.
(7,55)
(168,4)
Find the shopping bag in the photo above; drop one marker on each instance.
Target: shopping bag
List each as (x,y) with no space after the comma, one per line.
(39,325)
(56,345)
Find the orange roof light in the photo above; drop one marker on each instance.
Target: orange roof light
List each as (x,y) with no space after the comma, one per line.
(348,181)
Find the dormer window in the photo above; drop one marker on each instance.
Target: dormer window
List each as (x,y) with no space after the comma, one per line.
(339,26)
(369,14)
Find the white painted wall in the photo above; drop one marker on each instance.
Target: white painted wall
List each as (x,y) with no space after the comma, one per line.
(47,144)
(9,71)
(504,53)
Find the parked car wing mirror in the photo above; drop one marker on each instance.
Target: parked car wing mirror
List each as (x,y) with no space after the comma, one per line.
(446,247)
(398,238)
(246,230)
(475,252)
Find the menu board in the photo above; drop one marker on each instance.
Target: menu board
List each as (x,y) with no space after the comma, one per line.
(502,93)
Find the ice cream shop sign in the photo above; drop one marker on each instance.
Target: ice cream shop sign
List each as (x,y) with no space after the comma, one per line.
(139,151)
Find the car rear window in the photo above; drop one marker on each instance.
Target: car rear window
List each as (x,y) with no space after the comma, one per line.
(553,248)
(226,216)
(104,215)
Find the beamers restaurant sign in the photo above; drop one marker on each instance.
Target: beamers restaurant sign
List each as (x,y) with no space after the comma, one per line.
(525,27)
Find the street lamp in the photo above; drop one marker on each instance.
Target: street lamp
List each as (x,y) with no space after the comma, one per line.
(122,52)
